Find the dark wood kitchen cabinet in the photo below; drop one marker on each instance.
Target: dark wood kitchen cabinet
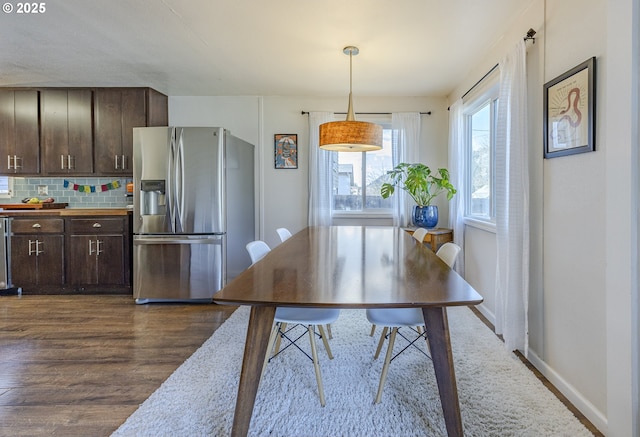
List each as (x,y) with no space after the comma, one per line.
(66,131)
(19,132)
(116,112)
(37,254)
(98,254)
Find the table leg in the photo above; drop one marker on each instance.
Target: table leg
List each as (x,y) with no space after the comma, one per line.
(255,349)
(440,345)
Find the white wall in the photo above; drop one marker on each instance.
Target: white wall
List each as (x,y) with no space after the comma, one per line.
(621,82)
(574,261)
(480,255)
(583,291)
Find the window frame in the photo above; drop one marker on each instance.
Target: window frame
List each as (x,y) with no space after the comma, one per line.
(9,193)
(385,122)
(486,94)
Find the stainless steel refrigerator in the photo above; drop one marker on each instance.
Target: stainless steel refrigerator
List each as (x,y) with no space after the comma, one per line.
(193,211)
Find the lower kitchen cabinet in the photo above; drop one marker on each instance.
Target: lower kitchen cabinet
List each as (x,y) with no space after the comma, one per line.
(37,254)
(98,255)
(71,255)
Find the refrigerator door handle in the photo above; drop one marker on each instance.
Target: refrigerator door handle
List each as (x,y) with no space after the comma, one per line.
(179,172)
(170,189)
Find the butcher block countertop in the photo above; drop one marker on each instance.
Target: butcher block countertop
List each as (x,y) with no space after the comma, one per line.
(65,212)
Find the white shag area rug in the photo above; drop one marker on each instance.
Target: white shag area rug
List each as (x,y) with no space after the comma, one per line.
(498,395)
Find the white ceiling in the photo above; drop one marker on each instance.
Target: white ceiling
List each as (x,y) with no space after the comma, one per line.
(253,47)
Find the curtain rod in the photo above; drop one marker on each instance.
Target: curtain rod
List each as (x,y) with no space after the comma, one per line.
(481,79)
(529,36)
(367,113)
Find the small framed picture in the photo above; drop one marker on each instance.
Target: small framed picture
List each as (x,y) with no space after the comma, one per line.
(569,111)
(286,150)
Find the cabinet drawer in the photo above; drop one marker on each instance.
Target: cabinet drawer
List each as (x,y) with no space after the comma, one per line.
(37,225)
(96,225)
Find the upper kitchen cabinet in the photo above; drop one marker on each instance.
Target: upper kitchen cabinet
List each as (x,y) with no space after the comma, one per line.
(116,112)
(19,133)
(66,131)
(157,108)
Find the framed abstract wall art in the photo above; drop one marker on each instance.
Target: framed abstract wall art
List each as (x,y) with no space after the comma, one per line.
(569,111)
(286,150)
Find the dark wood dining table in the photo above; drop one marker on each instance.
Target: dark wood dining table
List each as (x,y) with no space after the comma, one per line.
(349,267)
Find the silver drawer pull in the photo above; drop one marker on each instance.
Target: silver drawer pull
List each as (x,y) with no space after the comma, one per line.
(36,225)
(97,225)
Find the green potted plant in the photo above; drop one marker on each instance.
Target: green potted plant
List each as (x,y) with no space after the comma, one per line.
(423,185)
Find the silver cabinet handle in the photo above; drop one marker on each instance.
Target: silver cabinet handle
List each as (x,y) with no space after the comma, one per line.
(71,162)
(97,225)
(116,165)
(15,165)
(91,247)
(36,225)
(62,162)
(34,247)
(124,162)
(99,247)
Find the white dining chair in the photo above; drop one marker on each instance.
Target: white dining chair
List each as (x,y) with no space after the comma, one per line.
(396,318)
(309,317)
(419,235)
(283,233)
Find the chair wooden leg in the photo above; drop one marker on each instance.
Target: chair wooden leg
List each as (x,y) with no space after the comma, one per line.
(272,339)
(283,327)
(329,331)
(385,367)
(381,342)
(373,330)
(326,343)
(316,364)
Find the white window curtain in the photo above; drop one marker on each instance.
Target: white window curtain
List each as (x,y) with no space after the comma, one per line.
(320,173)
(457,172)
(406,145)
(512,202)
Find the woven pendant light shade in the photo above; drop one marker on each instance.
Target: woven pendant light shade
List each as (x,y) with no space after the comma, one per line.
(350,136)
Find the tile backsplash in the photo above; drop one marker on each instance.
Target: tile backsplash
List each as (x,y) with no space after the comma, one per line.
(114,198)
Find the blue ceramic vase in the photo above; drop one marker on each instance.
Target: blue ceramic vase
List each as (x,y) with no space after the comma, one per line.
(425,216)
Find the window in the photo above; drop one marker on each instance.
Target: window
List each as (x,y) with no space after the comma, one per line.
(480,125)
(6,187)
(358,177)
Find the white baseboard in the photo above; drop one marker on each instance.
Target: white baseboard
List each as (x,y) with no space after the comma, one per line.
(485,311)
(594,415)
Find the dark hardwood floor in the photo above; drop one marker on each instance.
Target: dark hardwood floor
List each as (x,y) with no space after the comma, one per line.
(80,365)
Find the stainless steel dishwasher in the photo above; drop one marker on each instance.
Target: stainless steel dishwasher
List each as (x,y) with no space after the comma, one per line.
(6,286)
